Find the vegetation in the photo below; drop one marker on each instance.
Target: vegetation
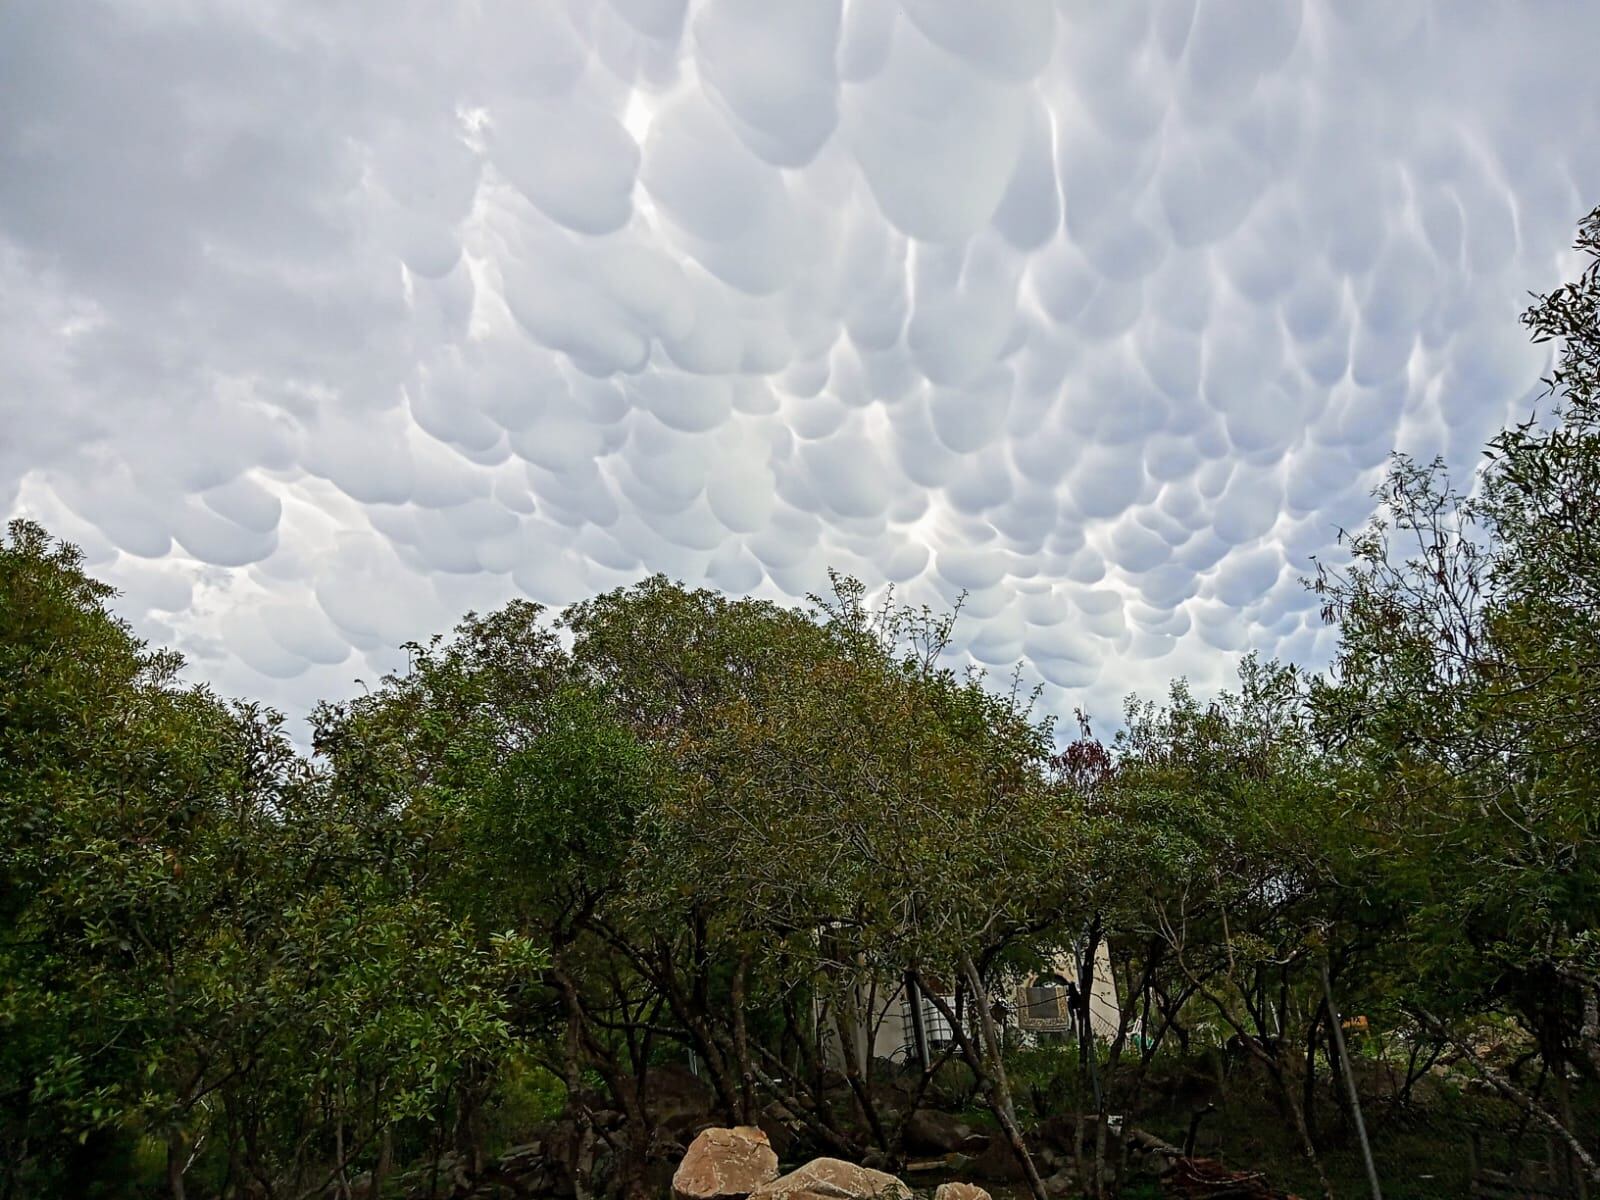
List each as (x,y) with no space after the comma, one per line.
(526,881)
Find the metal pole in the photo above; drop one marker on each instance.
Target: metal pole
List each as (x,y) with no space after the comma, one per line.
(1350,1084)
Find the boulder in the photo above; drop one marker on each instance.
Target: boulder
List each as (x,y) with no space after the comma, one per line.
(960,1191)
(1063,1183)
(929,1132)
(783,1129)
(725,1164)
(1058,1133)
(833,1179)
(675,1083)
(679,1100)
(894,1087)
(998,1163)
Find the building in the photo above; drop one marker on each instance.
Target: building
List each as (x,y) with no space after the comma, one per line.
(901,1026)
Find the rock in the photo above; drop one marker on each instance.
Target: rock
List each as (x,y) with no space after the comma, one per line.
(874,1159)
(833,1179)
(894,1088)
(781,1130)
(998,1163)
(960,1191)
(525,1170)
(683,1128)
(929,1132)
(1057,1133)
(725,1164)
(675,1100)
(1063,1183)
(678,1101)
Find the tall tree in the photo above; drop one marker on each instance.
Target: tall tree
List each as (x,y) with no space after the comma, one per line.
(1463,700)
(204,945)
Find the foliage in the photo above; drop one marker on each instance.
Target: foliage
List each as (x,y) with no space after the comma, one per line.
(1462,706)
(205,945)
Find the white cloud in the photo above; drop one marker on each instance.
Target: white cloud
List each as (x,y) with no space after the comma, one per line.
(317,331)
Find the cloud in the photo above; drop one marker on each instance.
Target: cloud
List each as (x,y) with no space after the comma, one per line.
(317,331)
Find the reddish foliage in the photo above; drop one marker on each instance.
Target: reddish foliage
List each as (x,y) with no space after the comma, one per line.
(1086,763)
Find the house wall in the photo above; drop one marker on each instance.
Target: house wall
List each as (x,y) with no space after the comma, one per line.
(1105,1013)
(886,1019)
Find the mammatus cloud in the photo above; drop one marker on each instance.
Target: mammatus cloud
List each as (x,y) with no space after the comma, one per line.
(318,328)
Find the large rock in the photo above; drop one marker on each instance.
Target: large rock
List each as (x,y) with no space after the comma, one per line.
(679,1103)
(833,1179)
(929,1132)
(1058,1133)
(674,1088)
(960,1191)
(998,1163)
(725,1164)
(1063,1183)
(781,1128)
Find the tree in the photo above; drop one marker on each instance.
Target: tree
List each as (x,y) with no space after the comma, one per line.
(531,792)
(107,767)
(1462,700)
(843,814)
(203,945)
(1222,826)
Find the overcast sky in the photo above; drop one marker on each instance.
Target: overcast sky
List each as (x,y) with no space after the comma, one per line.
(322,322)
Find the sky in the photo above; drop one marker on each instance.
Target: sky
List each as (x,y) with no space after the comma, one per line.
(324,322)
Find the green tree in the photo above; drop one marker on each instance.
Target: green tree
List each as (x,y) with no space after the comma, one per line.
(1463,702)
(1223,846)
(529,792)
(204,945)
(846,813)
(108,765)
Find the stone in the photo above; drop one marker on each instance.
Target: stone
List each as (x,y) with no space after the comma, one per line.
(929,1132)
(679,1103)
(674,1090)
(781,1130)
(1057,1133)
(960,1191)
(1063,1183)
(998,1163)
(725,1164)
(833,1179)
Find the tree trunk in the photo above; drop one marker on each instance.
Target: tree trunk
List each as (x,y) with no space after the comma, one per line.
(1572,1172)
(846,1021)
(1336,1041)
(998,1097)
(1308,1099)
(999,1088)
(806,1114)
(1291,1101)
(177,1165)
(741,1042)
(1100,1157)
(1516,1095)
(1088,1059)
(689,1008)
(466,1133)
(385,1164)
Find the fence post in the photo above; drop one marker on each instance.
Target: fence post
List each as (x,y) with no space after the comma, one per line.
(1350,1084)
